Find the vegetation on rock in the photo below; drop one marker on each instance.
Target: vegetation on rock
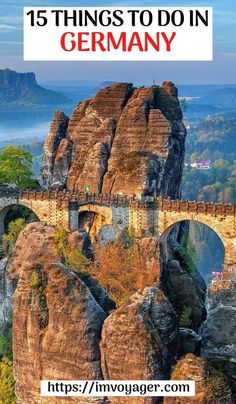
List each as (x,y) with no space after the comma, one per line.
(9,239)
(74,258)
(185,317)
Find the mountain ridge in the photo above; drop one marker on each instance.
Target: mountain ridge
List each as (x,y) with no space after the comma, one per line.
(22,89)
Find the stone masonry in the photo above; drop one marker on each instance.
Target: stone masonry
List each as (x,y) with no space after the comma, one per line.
(144,217)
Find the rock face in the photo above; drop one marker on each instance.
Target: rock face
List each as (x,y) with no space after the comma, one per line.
(211,386)
(57,321)
(180,280)
(149,250)
(6,292)
(123,140)
(23,89)
(183,292)
(219,330)
(57,149)
(190,341)
(140,341)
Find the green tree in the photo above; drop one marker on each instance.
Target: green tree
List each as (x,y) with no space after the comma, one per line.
(6,346)
(220,164)
(9,239)
(185,317)
(7,395)
(16,167)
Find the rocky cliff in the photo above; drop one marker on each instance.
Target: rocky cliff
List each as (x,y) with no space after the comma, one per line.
(6,292)
(219,330)
(57,320)
(23,89)
(66,327)
(124,140)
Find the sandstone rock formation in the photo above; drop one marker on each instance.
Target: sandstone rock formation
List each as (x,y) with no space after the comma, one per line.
(57,149)
(149,250)
(211,386)
(184,291)
(6,292)
(140,341)
(56,320)
(123,140)
(180,280)
(219,330)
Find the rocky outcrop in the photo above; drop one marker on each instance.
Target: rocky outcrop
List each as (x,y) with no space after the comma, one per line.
(57,150)
(190,341)
(57,320)
(184,292)
(219,330)
(6,292)
(148,248)
(140,341)
(211,386)
(180,280)
(124,140)
(148,146)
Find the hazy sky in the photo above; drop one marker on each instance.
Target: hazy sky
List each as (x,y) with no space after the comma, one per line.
(221,70)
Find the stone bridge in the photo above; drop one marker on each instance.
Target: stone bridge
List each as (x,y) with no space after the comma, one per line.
(145,217)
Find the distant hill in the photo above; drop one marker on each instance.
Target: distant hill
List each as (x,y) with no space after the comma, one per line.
(22,89)
(224,97)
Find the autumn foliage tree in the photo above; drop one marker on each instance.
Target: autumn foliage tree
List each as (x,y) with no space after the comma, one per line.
(120,270)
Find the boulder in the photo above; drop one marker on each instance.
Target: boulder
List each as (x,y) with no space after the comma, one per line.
(190,341)
(140,341)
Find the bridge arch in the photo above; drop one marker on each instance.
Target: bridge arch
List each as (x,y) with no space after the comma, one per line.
(223,225)
(93,217)
(6,209)
(208,242)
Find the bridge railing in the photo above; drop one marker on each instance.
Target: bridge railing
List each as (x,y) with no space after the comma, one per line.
(196,207)
(164,204)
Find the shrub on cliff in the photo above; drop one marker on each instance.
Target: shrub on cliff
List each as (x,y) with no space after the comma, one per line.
(74,258)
